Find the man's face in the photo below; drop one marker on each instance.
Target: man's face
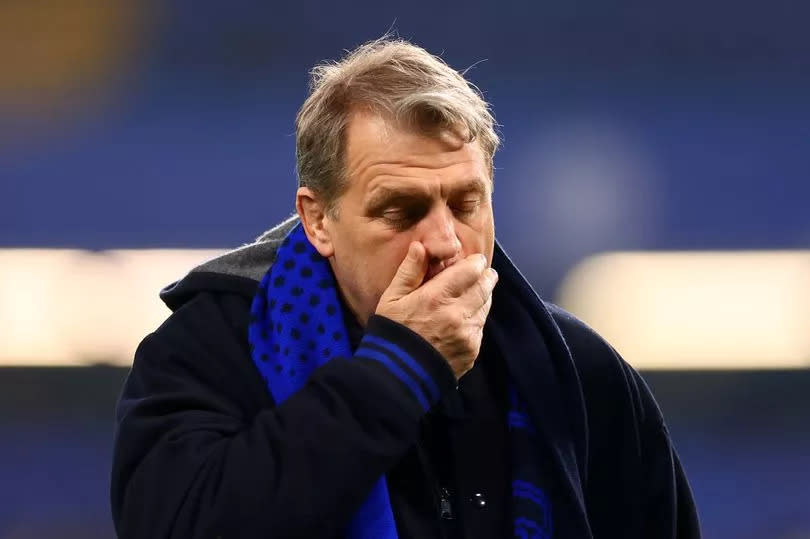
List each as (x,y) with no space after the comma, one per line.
(404,187)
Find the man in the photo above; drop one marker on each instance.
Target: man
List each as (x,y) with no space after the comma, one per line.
(376,367)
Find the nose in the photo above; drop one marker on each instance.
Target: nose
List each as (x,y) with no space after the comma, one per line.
(440,239)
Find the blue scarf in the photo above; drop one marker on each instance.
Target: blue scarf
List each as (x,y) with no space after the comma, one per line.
(296,325)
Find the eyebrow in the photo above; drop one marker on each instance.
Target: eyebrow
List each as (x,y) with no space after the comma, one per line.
(384,195)
(475,184)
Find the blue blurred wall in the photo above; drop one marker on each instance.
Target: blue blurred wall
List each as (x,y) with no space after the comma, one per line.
(626,125)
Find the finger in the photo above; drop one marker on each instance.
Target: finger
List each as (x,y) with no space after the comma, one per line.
(483,312)
(480,293)
(458,278)
(410,273)
(478,319)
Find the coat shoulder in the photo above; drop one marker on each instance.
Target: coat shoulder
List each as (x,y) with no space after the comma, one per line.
(608,381)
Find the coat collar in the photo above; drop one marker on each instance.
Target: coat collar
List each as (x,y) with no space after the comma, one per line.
(544,373)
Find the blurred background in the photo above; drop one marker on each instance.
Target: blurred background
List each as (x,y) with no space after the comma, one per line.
(654,179)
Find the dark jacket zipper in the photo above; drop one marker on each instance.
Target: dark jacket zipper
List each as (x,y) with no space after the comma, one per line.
(442,495)
(445,504)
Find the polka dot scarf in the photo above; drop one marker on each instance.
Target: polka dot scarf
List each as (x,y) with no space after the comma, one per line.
(296,325)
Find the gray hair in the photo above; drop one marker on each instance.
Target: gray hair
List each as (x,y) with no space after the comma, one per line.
(394,78)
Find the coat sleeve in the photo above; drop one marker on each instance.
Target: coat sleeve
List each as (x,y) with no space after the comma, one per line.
(191,461)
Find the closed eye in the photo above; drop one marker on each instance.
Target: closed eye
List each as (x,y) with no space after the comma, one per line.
(403,217)
(467,206)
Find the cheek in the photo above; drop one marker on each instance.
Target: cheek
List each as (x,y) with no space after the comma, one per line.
(381,259)
(479,237)
(389,255)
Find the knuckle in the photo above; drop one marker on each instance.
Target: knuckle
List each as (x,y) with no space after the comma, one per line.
(482,291)
(456,320)
(434,302)
(489,282)
(486,308)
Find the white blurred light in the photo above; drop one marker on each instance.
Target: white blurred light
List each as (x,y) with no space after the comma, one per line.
(73,307)
(660,310)
(697,310)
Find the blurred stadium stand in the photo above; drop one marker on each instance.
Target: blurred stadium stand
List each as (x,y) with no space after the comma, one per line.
(131,130)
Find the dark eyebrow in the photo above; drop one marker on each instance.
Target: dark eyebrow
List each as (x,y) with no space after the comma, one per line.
(473,185)
(386,196)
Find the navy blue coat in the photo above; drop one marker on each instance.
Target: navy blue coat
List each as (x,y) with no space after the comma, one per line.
(201,450)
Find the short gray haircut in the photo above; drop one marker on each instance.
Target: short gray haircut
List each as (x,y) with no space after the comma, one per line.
(398,80)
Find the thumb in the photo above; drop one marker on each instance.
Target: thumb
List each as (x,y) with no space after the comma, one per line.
(410,273)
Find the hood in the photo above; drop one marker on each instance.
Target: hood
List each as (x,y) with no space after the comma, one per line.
(237,271)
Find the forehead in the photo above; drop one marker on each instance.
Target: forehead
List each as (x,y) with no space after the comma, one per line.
(377,148)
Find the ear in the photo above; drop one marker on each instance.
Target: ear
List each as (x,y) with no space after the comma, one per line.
(312,212)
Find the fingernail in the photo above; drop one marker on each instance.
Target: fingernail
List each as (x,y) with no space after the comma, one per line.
(493,273)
